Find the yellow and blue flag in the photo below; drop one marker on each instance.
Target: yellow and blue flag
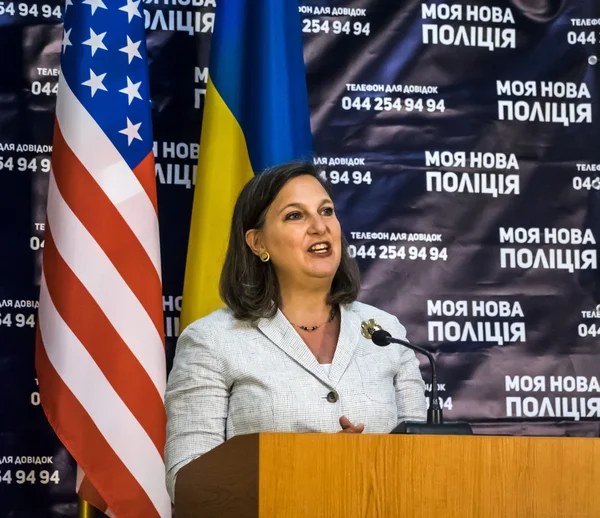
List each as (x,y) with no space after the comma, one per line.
(256,115)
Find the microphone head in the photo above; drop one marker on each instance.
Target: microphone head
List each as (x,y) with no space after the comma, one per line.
(381,337)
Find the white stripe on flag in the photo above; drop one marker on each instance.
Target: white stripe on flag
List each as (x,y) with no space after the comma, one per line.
(93,268)
(106,165)
(116,423)
(80,473)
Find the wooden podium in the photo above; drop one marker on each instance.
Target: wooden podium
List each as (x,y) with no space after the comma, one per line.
(277,475)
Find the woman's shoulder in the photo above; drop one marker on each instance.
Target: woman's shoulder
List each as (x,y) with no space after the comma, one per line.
(365,312)
(217,323)
(368,311)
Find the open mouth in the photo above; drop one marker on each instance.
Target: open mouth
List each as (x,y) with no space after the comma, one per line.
(322,248)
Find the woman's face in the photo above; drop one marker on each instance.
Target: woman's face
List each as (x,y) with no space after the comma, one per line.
(301,232)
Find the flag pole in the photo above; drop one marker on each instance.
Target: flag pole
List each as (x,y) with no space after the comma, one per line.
(85,509)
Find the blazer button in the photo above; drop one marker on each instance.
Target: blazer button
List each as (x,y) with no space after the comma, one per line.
(332,397)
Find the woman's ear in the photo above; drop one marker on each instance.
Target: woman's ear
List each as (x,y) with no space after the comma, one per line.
(254,241)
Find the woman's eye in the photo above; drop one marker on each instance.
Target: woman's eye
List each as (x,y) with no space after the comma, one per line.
(328,211)
(293,215)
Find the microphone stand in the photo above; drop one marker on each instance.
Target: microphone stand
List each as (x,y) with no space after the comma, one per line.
(435,420)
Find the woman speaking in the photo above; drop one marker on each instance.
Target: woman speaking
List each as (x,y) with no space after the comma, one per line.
(287,355)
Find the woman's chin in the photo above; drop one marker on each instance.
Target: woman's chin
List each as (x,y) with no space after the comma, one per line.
(321,273)
(323,268)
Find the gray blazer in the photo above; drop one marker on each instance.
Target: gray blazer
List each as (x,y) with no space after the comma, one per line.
(232,377)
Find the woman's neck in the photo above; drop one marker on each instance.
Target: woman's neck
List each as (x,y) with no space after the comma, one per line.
(305,307)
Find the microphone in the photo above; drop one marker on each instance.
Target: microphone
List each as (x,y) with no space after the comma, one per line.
(435,419)
(434,412)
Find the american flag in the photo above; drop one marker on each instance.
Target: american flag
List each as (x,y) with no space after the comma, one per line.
(100,354)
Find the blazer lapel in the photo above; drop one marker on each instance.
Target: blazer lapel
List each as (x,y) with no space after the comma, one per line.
(347,342)
(283,335)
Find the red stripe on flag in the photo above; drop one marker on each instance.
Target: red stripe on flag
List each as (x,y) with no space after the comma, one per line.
(101,218)
(145,174)
(79,434)
(90,494)
(90,325)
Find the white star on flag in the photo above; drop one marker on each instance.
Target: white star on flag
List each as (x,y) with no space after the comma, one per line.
(95,41)
(95,4)
(95,82)
(67,4)
(66,42)
(131,49)
(132,9)
(132,131)
(132,90)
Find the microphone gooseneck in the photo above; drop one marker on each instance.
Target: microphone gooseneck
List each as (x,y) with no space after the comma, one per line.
(434,413)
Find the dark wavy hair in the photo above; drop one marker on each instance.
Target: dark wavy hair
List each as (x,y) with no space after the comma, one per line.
(250,287)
